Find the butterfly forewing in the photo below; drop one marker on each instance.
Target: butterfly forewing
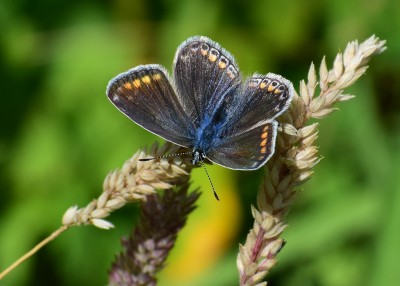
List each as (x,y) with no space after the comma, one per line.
(205,75)
(263,98)
(246,151)
(145,95)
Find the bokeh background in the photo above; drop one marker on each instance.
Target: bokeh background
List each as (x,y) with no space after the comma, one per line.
(59,136)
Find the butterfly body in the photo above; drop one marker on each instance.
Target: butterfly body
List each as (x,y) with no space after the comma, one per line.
(206,106)
(210,131)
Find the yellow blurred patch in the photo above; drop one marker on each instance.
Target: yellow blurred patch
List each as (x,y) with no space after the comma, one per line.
(210,230)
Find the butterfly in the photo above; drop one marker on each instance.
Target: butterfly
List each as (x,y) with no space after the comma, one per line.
(205,105)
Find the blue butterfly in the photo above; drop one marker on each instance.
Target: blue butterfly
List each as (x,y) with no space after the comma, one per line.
(205,106)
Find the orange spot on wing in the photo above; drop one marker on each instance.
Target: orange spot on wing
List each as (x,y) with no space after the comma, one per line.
(222,65)
(263,150)
(128,85)
(263,143)
(136,83)
(264,135)
(270,88)
(263,85)
(146,79)
(157,76)
(212,57)
(277,91)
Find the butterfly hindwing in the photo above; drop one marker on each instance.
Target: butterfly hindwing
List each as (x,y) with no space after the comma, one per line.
(145,95)
(246,151)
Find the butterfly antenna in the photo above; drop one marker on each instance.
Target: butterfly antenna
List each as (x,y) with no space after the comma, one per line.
(209,179)
(164,156)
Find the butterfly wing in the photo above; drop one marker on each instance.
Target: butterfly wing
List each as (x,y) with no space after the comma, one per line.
(145,95)
(263,98)
(246,151)
(205,76)
(247,140)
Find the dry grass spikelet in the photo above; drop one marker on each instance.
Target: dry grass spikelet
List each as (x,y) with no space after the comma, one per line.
(296,154)
(133,182)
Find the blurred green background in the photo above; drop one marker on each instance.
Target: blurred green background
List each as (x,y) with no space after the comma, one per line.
(60,136)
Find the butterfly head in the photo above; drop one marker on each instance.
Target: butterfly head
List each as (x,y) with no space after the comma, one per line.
(198,156)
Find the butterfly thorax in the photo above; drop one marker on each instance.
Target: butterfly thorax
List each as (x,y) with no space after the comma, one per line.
(206,136)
